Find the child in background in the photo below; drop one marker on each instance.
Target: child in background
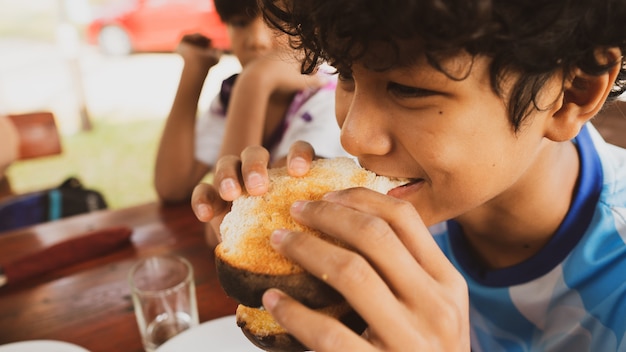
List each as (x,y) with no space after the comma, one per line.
(271,104)
(485,107)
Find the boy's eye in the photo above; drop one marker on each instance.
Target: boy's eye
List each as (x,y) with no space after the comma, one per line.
(408,92)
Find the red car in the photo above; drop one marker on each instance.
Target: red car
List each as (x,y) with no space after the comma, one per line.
(126,27)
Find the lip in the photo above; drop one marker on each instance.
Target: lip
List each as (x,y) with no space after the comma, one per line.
(404,190)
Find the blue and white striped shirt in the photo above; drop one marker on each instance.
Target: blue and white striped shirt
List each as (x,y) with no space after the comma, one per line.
(571,296)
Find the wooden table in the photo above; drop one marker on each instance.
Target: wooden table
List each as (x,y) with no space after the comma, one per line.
(89,304)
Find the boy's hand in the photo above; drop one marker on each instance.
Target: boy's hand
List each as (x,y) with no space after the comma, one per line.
(395,276)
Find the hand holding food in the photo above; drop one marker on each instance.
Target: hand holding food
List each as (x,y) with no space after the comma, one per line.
(248,265)
(372,249)
(390,271)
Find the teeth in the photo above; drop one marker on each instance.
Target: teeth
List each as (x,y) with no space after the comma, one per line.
(408,181)
(404,181)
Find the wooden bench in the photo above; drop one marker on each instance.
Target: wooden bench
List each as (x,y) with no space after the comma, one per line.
(39,137)
(38,133)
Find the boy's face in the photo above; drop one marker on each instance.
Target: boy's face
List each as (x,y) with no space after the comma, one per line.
(251,38)
(452,137)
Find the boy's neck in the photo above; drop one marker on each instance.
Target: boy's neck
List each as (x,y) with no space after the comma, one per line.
(517,224)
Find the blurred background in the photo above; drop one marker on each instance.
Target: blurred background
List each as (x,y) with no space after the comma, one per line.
(107,71)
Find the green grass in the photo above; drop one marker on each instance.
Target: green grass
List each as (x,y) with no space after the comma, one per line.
(115,158)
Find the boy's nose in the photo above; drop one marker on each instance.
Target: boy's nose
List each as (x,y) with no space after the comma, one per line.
(364,131)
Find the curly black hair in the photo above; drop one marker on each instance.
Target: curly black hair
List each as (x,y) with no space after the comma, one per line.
(227,9)
(535,38)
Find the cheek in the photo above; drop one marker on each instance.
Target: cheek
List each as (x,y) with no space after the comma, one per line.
(488,173)
(466,172)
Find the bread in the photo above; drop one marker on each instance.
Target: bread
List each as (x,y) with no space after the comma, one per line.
(247,265)
(263,331)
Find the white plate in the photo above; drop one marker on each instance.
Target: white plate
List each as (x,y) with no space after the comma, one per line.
(41,346)
(218,335)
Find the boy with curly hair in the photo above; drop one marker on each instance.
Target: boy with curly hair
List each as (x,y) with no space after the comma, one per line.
(511,235)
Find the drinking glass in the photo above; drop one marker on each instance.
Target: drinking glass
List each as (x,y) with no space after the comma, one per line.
(164,297)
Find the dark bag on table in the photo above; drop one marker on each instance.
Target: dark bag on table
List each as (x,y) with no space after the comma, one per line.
(70,198)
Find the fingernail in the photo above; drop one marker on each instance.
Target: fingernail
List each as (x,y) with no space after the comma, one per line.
(227,185)
(254,180)
(299,165)
(204,211)
(271,298)
(278,236)
(298,206)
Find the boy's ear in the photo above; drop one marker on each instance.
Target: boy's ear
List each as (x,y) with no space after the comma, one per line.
(583,97)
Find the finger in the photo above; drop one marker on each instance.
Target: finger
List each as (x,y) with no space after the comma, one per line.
(315,330)
(228,177)
(212,230)
(406,225)
(214,54)
(371,236)
(350,274)
(212,237)
(197,39)
(299,158)
(206,202)
(254,161)
(409,276)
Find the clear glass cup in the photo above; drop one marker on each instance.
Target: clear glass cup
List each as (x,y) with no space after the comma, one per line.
(164,297)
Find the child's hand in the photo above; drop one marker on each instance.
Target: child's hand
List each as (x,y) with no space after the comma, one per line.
(250,171)
(395,276)
(196,48)
(234,175)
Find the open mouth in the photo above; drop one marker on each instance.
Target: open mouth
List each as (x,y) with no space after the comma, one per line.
(403,181)
(406,182)
(404,185)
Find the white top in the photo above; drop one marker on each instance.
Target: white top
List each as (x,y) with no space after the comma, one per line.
(310,117)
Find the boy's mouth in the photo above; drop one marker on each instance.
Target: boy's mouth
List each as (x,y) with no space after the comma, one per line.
(402,181)
(406,182)
(405,187)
